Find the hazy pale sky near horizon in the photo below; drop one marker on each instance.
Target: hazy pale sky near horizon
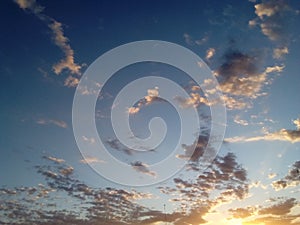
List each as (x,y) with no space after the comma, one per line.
(253,50)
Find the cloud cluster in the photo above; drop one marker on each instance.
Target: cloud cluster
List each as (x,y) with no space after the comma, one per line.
(59,38)
(271,17)
(151,97)
(240,74)
(292,179)
(278,213)
(240,78)
(224,177)
(42,204)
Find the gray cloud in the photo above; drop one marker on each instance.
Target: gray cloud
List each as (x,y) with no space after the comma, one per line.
(292,179)
(142,168)
(281,208)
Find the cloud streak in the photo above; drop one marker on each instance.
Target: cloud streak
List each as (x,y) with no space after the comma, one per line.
(59,123)
(288,135)
(60,40)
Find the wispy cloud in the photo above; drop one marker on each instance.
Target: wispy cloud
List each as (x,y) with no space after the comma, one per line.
(142,168)
(59,38)
(292,136)
(88,160)
(54,159)
(59,123)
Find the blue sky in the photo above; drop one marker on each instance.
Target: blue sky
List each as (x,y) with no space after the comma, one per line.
(252,48)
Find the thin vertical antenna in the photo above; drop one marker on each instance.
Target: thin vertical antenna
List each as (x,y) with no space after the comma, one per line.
(165,213)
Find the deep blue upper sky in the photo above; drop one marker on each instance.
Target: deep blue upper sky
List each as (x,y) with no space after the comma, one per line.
(253,50)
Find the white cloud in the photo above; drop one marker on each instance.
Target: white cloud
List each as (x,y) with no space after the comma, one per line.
(58,123)
(60,40)
(280,52)
(89,140)
(152,96)
(54,159)
(88,160)
(210,53)
(240,121)
(297,123)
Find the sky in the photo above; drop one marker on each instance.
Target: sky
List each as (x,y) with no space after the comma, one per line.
(227,151)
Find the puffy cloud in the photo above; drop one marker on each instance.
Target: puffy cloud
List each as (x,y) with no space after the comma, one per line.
(194,100)
(267,9)
(59,123)
(133,110)
(239,75)
(241,78)
(62,42)
(292,136)
(297,123)
(292,179)
(71,81)
(280,52)
(272,15)
(142,168)
(194,151)
(210,53)
(151,97)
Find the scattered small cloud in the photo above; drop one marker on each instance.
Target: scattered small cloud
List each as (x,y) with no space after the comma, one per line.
(272,175)
(210,53)
(142,168)
(88,160)
(151,97)
(191,41)
(278,53)
(90,140)
(238,120)
(54,159)
(59,123)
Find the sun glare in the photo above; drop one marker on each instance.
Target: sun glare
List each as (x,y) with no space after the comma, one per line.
(234,222)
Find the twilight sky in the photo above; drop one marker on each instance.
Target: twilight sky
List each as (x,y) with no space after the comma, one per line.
(253,50)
